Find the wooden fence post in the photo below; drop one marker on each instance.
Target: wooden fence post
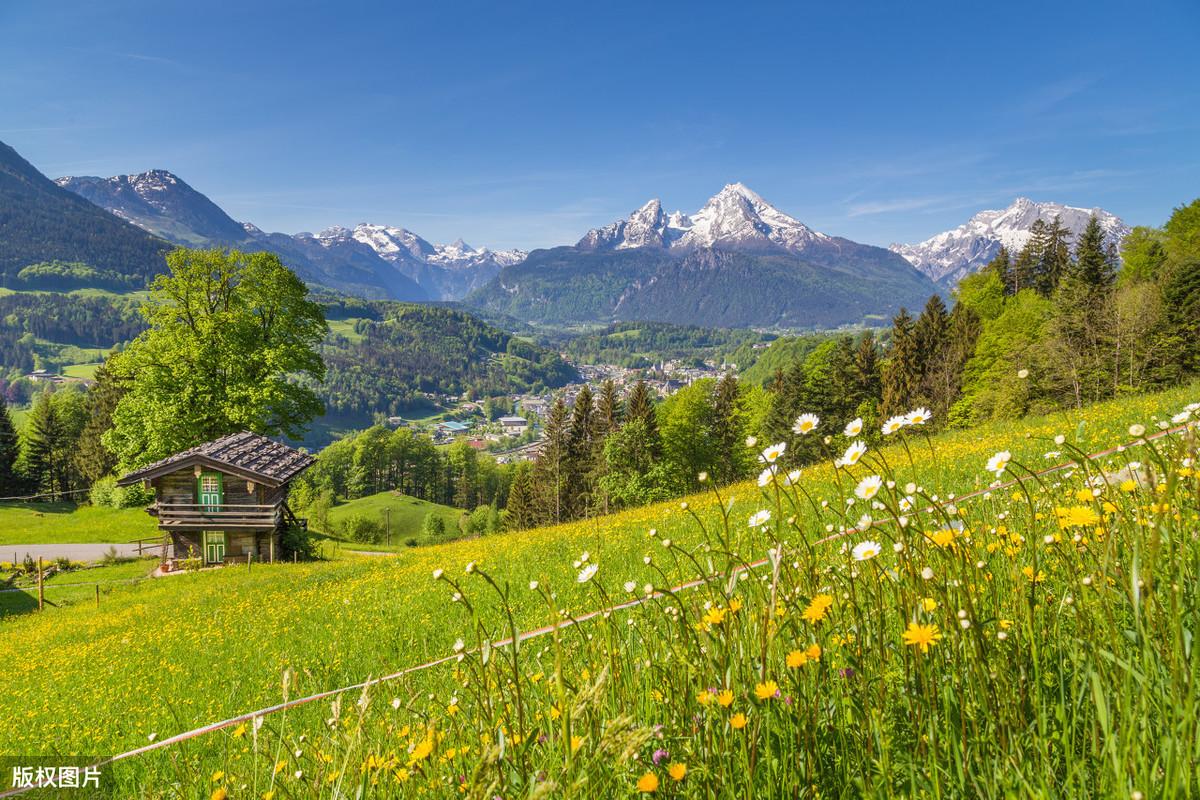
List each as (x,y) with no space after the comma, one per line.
(41,589)
(249,556)
(97,595)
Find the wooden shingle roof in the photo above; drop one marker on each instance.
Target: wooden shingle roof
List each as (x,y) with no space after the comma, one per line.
(250,455)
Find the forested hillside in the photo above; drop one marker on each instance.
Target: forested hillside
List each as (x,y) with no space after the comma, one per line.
(39,221)
(391,354)
(642,344)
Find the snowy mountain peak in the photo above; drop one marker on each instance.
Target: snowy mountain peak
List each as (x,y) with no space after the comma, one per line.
(735,217)
(949,256)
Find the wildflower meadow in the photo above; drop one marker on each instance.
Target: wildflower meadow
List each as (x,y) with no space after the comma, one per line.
(942,616)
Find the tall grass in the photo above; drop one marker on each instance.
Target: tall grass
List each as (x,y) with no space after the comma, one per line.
(1034,640)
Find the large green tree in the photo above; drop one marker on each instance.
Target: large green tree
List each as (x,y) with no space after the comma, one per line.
(232,339)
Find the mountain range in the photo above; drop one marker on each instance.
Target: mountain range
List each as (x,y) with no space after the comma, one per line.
(738,261)
(370,260)
(951,255)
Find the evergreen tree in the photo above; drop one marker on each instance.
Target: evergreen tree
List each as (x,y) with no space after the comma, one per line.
(729,431)
(1028,262)
(901,372)
(10,450)
(1054,256)
(93,460)
(550,470)
(866,363)
(1093,265)
(640,405)
(1001,264)
(48,448)
(606,418)
(930,332)
(520,513)
(579,456)
(942,383)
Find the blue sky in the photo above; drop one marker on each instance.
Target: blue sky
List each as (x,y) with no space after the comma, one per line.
(524,123)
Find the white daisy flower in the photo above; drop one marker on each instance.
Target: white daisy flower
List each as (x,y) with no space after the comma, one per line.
(853,427)
(766,476)
(917,416)
(864,551)
(868,487)
(793,477)
(587,572)
(892,425)
(760,518)
(999,462)
(773,453)
(853,453)
(806,423)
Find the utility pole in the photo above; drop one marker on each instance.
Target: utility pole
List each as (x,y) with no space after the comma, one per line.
(387,516)
(41,588)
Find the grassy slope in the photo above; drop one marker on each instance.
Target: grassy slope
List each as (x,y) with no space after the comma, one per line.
(407,516)
(65,589)
(216,642)
(45,523)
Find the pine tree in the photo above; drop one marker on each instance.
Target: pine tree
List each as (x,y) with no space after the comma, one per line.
(519,513)
(46,453)
(579,456)
(729,430)
(640,405)
(10,450)
(1029,261)
(1054,256)
(943,375)
(866,361)
(92,458)
(550,470)
(930,332)
(606,419)
(901,371)
(1002,265)
(1093,265)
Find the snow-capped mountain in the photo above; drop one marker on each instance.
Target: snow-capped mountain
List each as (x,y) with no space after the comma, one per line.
(161,203)
(737,261)
(949,256)
(447,271)
(734,218)
(370,259)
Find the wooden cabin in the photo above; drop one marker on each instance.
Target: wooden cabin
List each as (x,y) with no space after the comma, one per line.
(224,500)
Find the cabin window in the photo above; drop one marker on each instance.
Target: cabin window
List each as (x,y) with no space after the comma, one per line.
(214,547)
(209,491)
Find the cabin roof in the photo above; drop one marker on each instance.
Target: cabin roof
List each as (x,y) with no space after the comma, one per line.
(249,455)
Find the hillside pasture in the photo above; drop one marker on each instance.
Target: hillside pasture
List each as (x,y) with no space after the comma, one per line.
(234,635)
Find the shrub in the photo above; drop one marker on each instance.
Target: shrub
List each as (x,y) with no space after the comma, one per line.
(434,526)
(298,542)
(105,492)
(358,528)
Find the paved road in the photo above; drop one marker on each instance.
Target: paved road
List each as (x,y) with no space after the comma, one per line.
(75,552)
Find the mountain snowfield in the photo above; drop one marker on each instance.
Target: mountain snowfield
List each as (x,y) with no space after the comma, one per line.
(949,256)
(734,218)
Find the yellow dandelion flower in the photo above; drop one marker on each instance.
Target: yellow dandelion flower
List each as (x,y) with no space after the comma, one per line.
(1129,485)
(813,652)
(735,605)
(943,537)
(796,659)
(239,731)
(704,697)
(714,616)
(922,636)
(738,721)
(220,794)
(766,690)
(929,604)
(576,743)
(1077,516)
(648,783)
(677,771)
(725,698)
(818,608)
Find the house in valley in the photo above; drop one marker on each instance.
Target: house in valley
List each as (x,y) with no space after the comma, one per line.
(224,500)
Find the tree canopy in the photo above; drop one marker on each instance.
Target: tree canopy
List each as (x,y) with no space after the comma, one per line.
(229,335)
